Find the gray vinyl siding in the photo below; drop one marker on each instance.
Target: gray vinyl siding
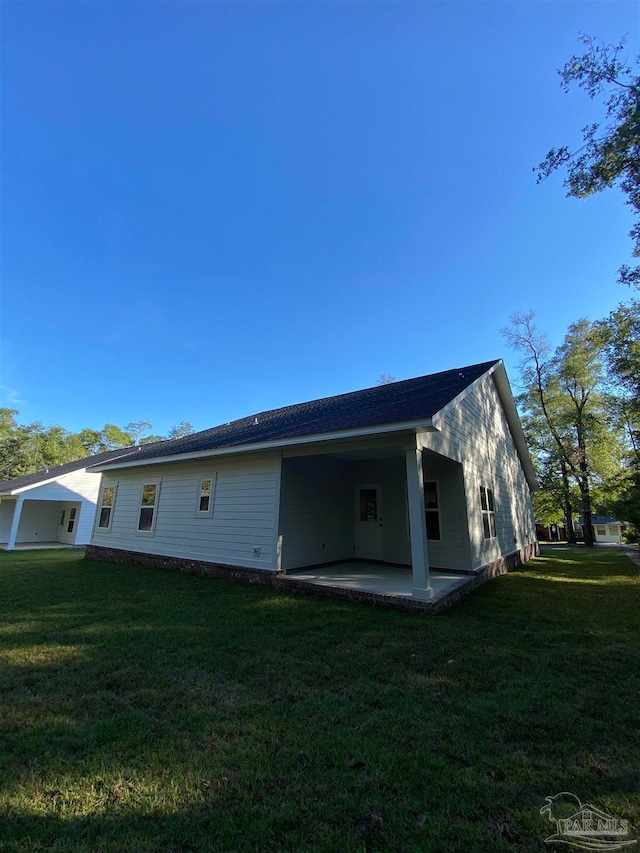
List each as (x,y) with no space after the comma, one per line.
(243,518)
(316,511)
(476,433)
(452,550)
(318,507)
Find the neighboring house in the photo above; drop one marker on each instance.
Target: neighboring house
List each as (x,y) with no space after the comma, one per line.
(429,472)
(605,529)
(53,506)
(551,532)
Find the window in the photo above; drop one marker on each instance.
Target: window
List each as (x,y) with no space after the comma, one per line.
(62,517)
(72,519)
(205,497)
(432,510)
(148,503)
(601,531)
(368,505)
(106,507)
(488,513)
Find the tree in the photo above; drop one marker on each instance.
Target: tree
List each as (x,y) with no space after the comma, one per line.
(25,448)
(91,440)
(56,446)
(545,440)
(385,379)
(113,437)
(181,430)
(563,396)
(610,153)
(622,347)
(13,460)
(556,498)
(622,334)
(136,430)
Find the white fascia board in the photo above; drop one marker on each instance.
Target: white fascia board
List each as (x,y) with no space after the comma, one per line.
(31,486)
(278,444)
(45,482)
(34,486)
(513,419)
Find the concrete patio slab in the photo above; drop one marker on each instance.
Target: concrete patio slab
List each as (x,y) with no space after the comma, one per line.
(378,584)
(37,546)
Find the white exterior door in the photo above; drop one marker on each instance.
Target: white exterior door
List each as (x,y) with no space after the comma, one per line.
(368,523)
(68,523)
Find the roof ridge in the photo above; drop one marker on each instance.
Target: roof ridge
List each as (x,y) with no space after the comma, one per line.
(344,394)
(409,399)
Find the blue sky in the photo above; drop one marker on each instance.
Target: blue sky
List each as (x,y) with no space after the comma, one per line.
(211,209)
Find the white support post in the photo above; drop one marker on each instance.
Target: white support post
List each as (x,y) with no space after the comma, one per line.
(277,536)
(418,526)
(15,522)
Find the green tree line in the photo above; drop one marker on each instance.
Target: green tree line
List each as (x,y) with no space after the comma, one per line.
(580,409)
(580,402)
(26,448)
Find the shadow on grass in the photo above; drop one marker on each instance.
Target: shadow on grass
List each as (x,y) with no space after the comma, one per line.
(151,710)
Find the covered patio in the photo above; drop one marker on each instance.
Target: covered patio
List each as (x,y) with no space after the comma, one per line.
(389,586)
(38,522)
(373,518)
(36,546)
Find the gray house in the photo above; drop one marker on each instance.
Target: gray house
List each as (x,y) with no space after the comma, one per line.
(431,474)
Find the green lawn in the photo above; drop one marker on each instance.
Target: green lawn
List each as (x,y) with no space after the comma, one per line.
(146,710)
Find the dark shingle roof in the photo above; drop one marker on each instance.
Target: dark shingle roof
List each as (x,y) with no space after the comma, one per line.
(397,402)
(601,519)
(67,468)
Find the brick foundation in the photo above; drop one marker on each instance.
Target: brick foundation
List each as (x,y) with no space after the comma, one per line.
(508,563)
(287,583)
(179,564)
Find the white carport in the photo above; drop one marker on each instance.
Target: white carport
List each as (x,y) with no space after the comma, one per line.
(32,518)
(54,506)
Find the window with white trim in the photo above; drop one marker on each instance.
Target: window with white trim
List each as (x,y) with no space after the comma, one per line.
(205,496)
(488,513)
(432,510)
(148,506)
(72,519)
(107,502)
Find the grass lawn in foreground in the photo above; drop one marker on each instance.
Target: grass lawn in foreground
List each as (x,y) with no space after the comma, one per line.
(146,710)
